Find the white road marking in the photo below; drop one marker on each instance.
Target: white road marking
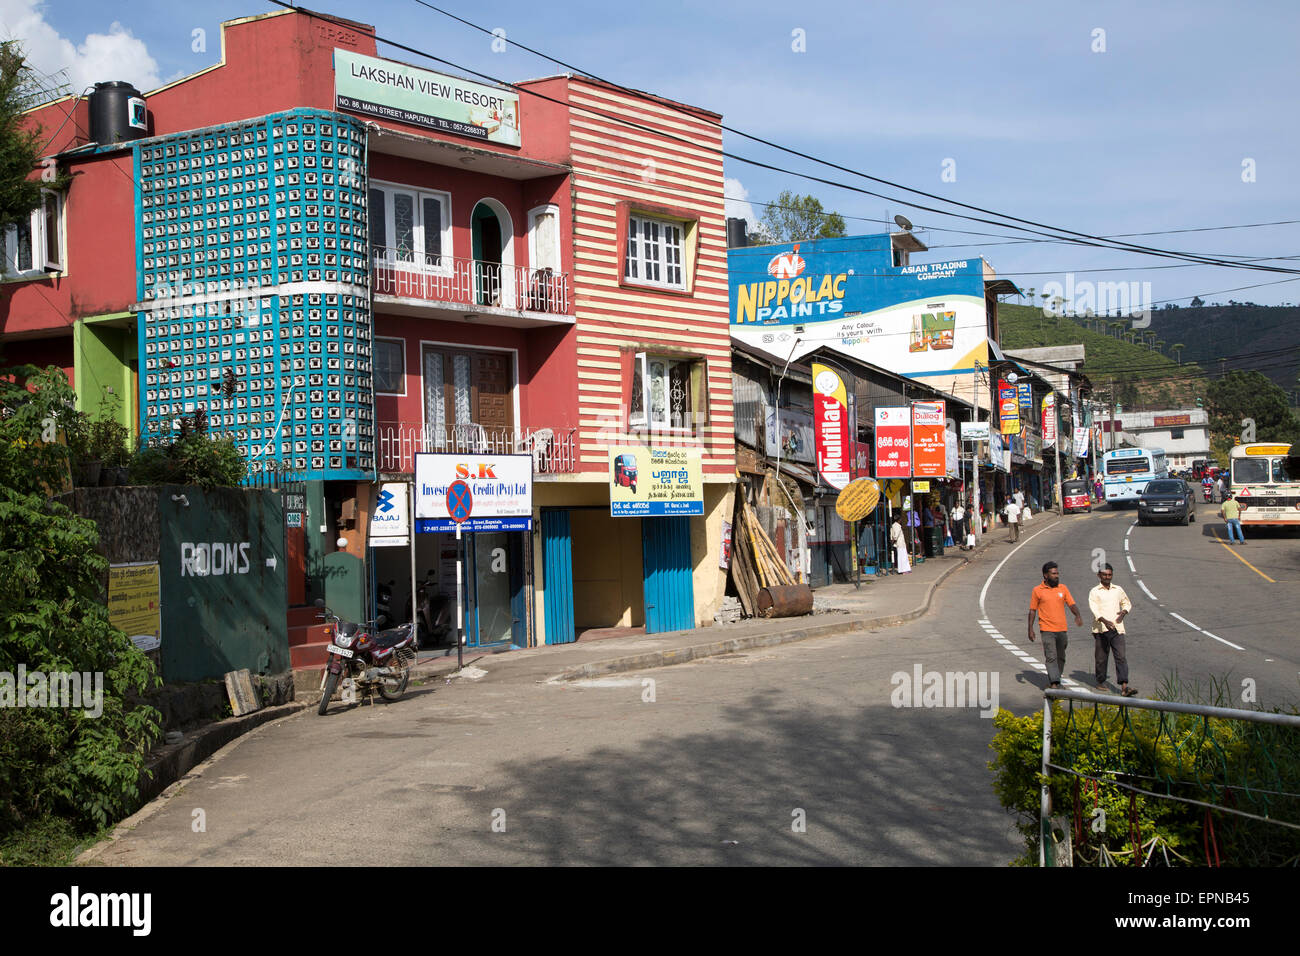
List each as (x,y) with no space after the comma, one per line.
(1130,564)
(1205,632)
(1125,542)
(1147,590)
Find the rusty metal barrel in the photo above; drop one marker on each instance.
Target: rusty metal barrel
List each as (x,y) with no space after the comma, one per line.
(790,600)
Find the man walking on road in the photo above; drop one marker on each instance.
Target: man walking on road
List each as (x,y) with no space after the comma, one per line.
(1049,601)
(1012,511)
(1231,513)
(1110,605)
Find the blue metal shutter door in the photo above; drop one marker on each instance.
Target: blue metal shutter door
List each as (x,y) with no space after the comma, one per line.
(557,557)
(669,589)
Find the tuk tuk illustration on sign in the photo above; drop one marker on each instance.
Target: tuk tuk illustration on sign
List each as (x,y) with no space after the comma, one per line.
(625,471)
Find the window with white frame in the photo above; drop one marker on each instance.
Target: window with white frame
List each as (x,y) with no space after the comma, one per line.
(666,392)
(34,245)
(654,253)
(410,226)
(389,364)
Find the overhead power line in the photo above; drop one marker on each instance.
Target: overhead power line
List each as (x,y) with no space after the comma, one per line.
(1082,238)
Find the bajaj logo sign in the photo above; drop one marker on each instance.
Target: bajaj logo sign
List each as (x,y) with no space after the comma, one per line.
(385,501)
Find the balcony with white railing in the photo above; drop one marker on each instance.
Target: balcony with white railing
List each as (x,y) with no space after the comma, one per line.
(554,450)
(492,292)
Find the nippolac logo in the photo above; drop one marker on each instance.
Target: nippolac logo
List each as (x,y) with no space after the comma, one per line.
(481,471)
(787,265)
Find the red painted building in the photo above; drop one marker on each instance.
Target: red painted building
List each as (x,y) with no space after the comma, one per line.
(544,274)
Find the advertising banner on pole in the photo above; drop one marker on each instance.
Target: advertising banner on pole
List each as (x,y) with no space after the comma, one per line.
(831,425)
(1081,442)
(893,443)
(1025,396)
(473,492)
(1008,408)
(974,431)
(1049,418)
(929,452)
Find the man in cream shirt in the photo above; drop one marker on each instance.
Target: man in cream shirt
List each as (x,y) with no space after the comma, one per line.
(1110,605)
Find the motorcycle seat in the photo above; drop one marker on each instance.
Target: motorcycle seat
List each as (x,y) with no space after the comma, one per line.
(394,635)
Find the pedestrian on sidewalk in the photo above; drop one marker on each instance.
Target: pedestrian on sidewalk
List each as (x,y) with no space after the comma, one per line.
(1048,601)
(1110,605)
(959,524)
(1012,511)
(899,541)
(1231,513)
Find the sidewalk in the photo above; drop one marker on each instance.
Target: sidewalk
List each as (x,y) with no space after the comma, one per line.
(838,608)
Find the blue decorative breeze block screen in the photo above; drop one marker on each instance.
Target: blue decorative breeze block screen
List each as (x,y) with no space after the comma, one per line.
(253,283)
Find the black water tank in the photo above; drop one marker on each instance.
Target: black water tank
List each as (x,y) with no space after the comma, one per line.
(737,233)
(117,114)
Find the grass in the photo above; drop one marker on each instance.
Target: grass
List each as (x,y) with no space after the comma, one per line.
(49,841)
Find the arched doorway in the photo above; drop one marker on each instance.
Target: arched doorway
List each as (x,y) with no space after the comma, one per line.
(492,234)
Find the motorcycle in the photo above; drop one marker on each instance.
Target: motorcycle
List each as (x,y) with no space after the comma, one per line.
(371,660)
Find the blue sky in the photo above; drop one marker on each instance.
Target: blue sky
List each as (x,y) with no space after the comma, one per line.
(1016,99)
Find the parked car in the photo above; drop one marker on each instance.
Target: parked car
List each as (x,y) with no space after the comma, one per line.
(1167,499)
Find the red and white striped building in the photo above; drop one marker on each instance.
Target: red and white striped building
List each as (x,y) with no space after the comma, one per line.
(545,277)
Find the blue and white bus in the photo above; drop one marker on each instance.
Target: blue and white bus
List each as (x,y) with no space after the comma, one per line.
(1126,471)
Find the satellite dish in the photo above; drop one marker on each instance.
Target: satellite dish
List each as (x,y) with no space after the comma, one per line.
(903,223)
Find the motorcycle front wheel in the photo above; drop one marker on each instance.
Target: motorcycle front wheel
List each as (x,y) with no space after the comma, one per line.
(331,683)
(394,689)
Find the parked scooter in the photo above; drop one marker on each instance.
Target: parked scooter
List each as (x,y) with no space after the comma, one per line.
(372,660)
(435,616)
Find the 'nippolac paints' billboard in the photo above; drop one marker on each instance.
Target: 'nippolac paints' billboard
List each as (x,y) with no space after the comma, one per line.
(922,320)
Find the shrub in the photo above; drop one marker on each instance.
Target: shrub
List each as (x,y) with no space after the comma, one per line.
(1237,765)
(56,761)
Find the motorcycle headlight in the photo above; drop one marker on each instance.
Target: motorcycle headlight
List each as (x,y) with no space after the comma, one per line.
(343,640)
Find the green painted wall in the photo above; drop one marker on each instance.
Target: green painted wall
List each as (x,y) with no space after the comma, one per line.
(101,354)
(224,582)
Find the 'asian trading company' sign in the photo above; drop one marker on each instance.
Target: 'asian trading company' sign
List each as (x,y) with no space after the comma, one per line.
(831,425)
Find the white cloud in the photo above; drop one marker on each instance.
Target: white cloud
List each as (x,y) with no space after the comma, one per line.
(735,195)
(99,57)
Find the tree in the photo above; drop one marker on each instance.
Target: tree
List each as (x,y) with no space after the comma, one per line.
(1240,395)
(793,218)
(1197,302)
(55,761)
(20,144)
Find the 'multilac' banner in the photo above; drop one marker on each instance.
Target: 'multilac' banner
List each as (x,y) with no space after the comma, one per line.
(831,425)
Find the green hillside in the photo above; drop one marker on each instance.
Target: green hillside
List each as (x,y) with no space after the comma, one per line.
(1142,375)
(1248,337)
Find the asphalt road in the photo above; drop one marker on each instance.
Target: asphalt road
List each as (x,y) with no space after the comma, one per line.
(788,755)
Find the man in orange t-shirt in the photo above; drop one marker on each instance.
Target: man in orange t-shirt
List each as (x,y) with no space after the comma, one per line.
(1049,601)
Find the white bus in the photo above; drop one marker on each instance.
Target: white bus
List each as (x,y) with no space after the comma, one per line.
(1126,471)
(1265,480)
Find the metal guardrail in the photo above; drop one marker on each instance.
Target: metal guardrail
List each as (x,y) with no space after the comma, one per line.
(468,283)
(1203,711)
